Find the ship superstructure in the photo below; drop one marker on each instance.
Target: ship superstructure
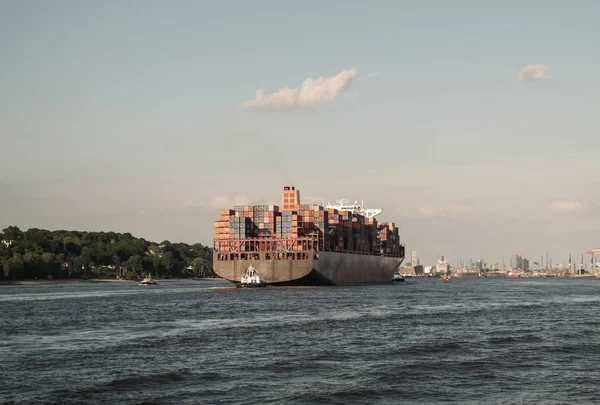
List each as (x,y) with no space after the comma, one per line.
(358,207)
(442,266)
(306,243)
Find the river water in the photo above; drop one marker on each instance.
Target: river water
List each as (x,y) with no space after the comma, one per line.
(463,341)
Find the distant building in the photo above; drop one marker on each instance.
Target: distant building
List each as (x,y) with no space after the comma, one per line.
(407,270)
(414,258)
(518,263)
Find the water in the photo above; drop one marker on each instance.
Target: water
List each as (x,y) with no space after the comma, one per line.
(470,341)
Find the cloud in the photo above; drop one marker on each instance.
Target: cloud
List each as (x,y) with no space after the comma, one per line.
(313,92)
(372,74)
(432,211)
(225,202)
(531,73)
(567,206)
(429,211)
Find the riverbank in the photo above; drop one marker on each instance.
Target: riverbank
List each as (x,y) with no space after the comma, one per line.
(99,280)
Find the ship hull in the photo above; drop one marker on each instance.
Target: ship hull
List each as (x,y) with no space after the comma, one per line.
(331,268)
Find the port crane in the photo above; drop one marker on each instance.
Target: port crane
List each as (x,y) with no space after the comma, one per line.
(594,252)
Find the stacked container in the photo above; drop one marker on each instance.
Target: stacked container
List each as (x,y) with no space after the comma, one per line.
(315,222)
(265,219)
(389,237)
(335,230)
(291,224)
(221,230)
(240,227)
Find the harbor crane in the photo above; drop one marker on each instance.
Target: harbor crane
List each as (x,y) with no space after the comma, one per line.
(594,252)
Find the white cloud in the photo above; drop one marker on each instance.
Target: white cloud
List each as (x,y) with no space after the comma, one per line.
(433,211)
(312,93)
(225,202)
(429,211)
(532,73)
(372,74)
(567,206)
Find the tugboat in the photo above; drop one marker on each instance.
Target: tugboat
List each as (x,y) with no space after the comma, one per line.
(251,279)
(398,278)
(148,281)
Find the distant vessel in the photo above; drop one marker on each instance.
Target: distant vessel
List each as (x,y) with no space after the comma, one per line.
(148,280)
(442,266)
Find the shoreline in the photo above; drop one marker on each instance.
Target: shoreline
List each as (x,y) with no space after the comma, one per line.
(99,280)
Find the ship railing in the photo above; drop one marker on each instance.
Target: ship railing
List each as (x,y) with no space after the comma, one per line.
(274,245)
(366,252)
(271,256)
(267,244)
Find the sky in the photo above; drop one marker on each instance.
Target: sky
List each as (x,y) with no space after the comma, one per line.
(474,125)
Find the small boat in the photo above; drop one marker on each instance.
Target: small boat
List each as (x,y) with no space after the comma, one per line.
(148,280)
(398,278)
(446,276)
(251,279)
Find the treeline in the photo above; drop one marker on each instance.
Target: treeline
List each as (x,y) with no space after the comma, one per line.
(42,254)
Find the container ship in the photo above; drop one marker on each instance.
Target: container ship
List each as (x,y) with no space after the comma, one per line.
(306,244)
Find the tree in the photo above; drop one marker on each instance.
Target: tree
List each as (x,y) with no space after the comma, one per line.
(30,264)
(4,252)
(72,245)
(12,233)
(6,270)
(133,266)
(84,260)
(61,254)
(199,265)
(16,267)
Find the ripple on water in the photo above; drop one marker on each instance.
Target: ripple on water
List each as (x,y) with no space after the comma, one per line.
(469,341)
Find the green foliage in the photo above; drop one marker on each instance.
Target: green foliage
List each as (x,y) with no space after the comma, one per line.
(41,254)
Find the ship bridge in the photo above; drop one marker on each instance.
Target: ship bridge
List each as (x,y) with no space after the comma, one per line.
(358,207)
